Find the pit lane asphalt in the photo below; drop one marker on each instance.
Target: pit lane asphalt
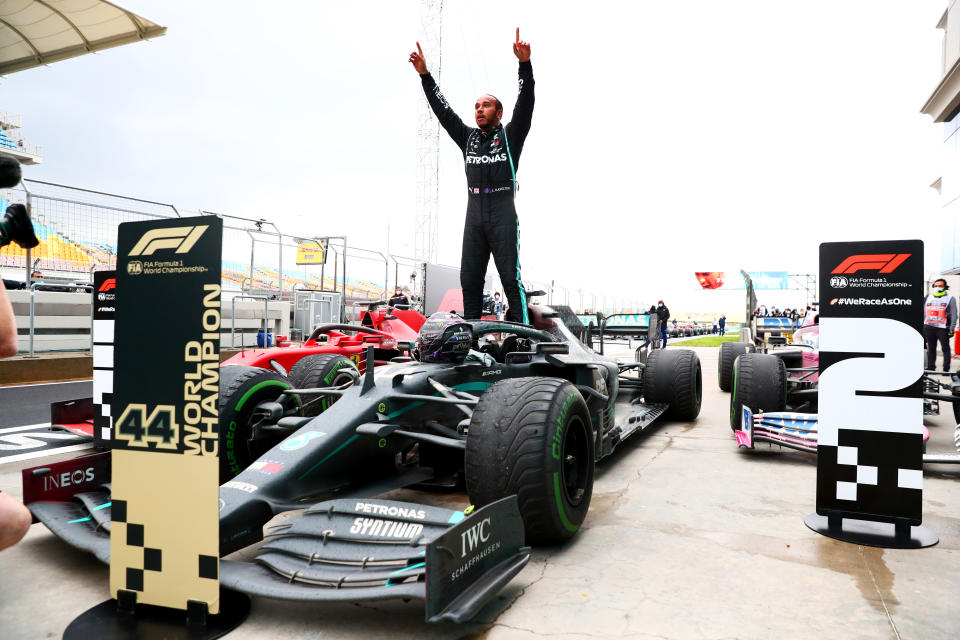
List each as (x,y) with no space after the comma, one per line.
(687,537)
(30,403)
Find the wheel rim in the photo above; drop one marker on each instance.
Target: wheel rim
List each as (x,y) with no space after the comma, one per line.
(574,463)
(341,379)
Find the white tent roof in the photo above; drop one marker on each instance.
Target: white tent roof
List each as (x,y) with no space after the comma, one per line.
(37,32)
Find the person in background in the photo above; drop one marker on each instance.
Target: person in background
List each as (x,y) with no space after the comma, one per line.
(15,519)
(722,324)
(399,299)
(663,314)
(939,320)
(653,328)
(497,305)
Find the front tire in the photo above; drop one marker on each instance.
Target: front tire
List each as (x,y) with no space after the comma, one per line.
(533,437)
(321,370)
(241,389)
(759,382)
(674,376)
(728,353)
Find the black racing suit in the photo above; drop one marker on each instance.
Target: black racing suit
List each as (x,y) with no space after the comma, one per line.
(490,160)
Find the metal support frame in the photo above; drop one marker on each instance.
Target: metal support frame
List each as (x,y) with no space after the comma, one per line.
(233,317)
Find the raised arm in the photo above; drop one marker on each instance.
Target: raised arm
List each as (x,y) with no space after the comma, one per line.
(448,118)
(523,109)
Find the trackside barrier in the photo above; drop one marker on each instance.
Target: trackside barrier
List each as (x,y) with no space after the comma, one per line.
(33,291)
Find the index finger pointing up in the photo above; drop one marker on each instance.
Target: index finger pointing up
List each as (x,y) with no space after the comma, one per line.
(421,50)
(518,34)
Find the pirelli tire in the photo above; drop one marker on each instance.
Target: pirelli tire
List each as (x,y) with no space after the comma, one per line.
(241,389)
(728,353)
(321,370)
(674,376)
(533,437)
(760,383)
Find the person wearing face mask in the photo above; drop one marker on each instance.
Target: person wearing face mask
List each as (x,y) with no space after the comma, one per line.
(939,320)
(399,299)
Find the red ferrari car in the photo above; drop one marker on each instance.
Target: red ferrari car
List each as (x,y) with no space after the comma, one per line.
(384,328)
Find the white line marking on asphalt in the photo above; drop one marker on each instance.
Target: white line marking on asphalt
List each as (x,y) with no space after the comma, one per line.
(28,427)
(46,452)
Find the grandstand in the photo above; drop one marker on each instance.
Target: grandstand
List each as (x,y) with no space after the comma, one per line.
(12,142)
(59,252)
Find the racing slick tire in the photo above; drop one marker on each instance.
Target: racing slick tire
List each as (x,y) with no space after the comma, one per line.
(241,389)
(533,437)
(674,376)
(759,382)
(321,370)
(728,353)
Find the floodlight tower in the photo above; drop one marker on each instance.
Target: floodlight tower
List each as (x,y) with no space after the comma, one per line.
(428,142)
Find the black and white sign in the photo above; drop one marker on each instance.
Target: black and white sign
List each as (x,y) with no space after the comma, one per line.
(104,310)
(870,449)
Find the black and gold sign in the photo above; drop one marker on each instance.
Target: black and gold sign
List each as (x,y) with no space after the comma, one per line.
(164,536)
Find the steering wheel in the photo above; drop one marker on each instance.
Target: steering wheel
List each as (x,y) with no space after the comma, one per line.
(327,328)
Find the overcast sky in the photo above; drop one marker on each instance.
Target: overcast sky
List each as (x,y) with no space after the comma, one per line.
(667,137)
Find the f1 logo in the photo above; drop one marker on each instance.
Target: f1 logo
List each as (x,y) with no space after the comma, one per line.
(108,284)
(883,262)
(180,238)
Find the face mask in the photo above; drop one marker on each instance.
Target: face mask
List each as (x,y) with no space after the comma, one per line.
(938,289)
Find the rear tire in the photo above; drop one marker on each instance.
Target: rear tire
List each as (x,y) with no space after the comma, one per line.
(674,376)
(728,353)
(321,370)
(533,437)
(759,382)
(241,389)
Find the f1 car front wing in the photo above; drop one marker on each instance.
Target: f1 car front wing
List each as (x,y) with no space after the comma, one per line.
(337,550)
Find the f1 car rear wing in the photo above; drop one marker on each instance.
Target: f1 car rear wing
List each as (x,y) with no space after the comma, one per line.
(338,550)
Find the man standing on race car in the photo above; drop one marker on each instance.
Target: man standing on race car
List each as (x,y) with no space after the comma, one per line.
(491,155)
(939,319)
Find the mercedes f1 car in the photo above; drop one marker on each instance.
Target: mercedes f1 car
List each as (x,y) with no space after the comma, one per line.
(523,423)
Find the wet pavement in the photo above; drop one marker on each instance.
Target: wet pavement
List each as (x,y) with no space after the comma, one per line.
(687,537)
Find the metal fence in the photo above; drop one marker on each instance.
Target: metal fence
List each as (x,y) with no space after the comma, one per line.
(78,230)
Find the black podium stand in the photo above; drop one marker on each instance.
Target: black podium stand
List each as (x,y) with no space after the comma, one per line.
(872,534)
(123,619)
